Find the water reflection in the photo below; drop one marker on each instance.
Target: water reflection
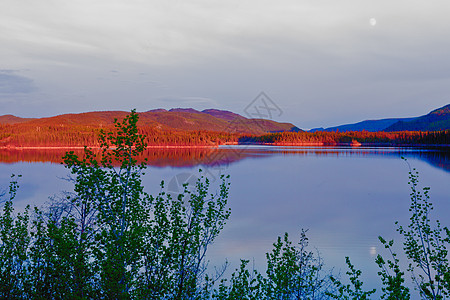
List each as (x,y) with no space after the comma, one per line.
(345,196)
(226,155)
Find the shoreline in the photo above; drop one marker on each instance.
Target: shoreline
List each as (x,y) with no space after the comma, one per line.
(279,144)
(95,147)
(353,145)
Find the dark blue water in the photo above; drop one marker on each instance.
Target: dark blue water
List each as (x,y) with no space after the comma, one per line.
(345,197)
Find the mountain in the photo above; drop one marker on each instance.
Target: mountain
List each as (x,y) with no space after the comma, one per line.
(188,110)
(222,114)
(368,125)
(10,119)
(182,119)
(438,119)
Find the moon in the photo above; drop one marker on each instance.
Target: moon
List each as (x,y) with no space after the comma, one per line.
(373,22)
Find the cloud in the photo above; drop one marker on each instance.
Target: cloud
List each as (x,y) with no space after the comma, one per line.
(11,83)
(160,32)
(7,71)
(309,55)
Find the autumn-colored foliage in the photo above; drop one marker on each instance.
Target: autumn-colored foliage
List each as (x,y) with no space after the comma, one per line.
(25,135)
(352,138)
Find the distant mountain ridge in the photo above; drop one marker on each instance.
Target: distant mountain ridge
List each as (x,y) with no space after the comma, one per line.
(187,119)
(368,125)
(438,119)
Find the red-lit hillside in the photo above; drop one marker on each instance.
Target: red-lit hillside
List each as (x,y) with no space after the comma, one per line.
(10,119)
(162,127)
(174,119)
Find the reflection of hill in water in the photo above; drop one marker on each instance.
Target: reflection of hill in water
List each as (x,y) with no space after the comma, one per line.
(439,159)
(189,157)
(157,157)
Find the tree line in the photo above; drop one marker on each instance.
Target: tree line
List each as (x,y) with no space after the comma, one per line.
(25,135)
(61,135)
(402,138)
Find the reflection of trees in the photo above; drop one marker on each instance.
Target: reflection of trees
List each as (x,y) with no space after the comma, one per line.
(189,157)
(439,159)
(34,155)
(158,157)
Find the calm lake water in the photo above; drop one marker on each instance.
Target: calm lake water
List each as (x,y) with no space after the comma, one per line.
(345,197)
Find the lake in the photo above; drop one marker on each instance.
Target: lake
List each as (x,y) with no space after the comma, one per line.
(345,197)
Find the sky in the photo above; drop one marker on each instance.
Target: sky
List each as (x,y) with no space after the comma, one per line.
(321,62)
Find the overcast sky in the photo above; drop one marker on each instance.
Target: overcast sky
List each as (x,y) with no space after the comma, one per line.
(323,62)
